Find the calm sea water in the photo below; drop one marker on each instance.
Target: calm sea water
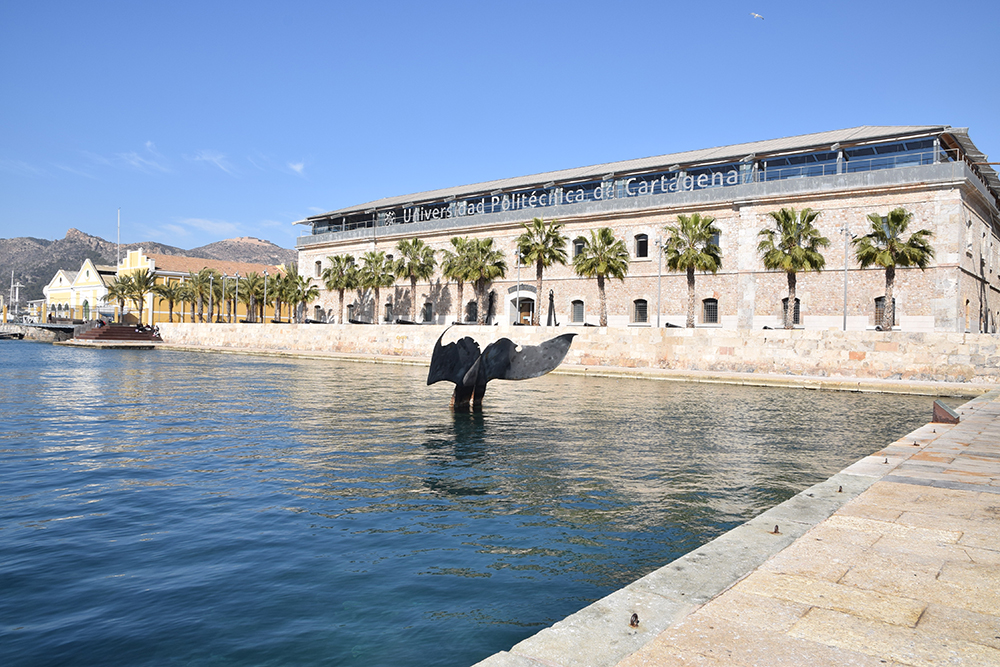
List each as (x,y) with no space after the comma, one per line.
(164,507)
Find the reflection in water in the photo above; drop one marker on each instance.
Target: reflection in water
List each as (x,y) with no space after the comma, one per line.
(208,508)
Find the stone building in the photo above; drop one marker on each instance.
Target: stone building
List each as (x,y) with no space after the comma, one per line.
(935,172)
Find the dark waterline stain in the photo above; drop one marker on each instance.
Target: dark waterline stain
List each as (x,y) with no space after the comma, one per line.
(169,507)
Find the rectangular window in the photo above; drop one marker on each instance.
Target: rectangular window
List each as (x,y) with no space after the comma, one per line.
(578,246)
(641,245)
(578,311)
(880,310)
(710,314)
(640,311)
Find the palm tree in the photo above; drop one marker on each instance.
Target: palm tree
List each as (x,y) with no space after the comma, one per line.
(691,247)
(251,290)
(543,246)
(172,292)
(341,275)
(602,256)
(453,268)
(191,297)
(885,247)
(416,261)
(141,284)
(197,285)
(300,293)
(484,264)
(375,273)
(792,246)
(119,290)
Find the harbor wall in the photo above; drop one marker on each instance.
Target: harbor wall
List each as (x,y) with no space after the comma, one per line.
(912,356)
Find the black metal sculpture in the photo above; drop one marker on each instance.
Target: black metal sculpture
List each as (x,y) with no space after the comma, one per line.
(462,364)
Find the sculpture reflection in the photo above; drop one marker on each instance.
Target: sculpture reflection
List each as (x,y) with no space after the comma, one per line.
(462,364)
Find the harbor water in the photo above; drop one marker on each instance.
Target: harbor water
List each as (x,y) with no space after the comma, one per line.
(165,507)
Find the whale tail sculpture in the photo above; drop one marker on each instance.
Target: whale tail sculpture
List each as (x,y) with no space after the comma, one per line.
(462,364)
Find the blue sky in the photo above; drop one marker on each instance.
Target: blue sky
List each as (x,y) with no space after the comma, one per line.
(211,120)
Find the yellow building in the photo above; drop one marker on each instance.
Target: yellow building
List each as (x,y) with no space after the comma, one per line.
(222,276)
(79,295)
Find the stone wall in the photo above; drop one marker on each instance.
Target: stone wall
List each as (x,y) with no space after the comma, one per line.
(942,357)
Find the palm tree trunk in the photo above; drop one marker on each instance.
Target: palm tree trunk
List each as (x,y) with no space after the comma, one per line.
(888,310)
(340,313)
(413,298)
(790,310)
(461,303)
(375,313)
(170,311)
(536,311)
(480,302)
(603,300)
(690,317)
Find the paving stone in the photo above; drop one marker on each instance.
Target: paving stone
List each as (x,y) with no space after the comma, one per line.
(823,553)
(891,642)
(886,528)
(943,621)
(865,603)
(767,613)
(732,643)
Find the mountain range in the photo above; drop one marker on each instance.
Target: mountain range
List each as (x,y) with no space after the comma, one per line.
(35,261)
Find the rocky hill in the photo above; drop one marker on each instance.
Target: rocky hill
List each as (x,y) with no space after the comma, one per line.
(34,261)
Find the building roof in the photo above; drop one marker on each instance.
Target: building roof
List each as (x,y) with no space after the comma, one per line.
(721,154)
(182,264)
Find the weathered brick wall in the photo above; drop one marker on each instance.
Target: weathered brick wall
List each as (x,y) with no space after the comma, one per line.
(946,357)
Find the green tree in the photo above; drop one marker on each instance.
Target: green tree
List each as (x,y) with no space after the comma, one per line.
(884,246)
(375,273)
(453,267)
(119,291)
(197,285)
(416,261)
(542,245)
(602,256)
(171,292)
(251,293)
(140,286)
(340,276)
(792,246)
(485,264)
(691,247)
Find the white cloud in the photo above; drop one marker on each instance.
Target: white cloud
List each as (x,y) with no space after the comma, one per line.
(78,172)
(150,160)
(317,209)
(216,158)
(297,167)
(19,168)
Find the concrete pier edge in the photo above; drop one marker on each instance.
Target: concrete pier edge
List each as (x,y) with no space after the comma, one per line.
(600,634)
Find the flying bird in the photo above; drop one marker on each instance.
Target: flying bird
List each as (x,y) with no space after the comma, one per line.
(756,16)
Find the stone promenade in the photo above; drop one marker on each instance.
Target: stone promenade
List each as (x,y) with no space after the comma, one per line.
(893,561)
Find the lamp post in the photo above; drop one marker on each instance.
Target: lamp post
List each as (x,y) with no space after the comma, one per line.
(236,301)
(211,296)
(225,295)
(263,317)
(659,276)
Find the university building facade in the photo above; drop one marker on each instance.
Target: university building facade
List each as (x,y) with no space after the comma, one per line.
(934,172)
